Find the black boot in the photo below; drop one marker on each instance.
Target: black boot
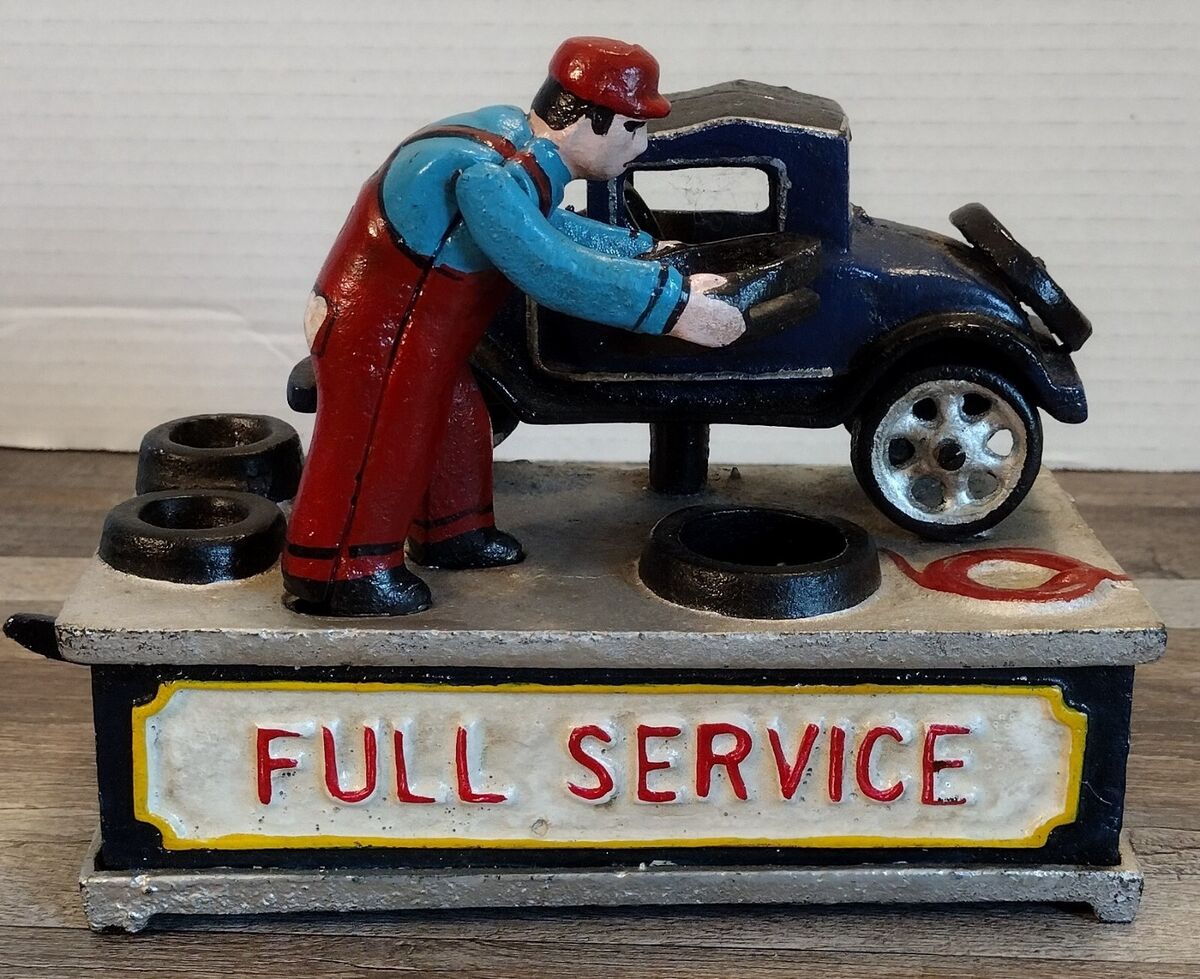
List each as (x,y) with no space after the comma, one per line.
(394,591)
(483,548)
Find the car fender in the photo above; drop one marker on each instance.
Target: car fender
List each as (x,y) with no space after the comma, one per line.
(500,405)
(1042,368)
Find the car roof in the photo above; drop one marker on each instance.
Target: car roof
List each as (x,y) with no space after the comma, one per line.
(741,99)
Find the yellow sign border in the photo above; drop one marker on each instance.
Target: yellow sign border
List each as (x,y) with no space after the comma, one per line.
(1074,720)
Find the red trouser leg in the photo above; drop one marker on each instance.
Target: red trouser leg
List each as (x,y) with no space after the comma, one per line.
(371,457)
(349,388)
(402,447)
(459,498)
(382,396)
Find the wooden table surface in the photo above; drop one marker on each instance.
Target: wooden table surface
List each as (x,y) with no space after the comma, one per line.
(51,508)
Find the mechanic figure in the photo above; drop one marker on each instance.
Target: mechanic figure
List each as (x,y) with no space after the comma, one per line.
(459,214)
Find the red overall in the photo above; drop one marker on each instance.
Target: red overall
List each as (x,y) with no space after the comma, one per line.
(403,441)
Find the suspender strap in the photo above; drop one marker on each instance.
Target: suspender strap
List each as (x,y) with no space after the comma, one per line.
(507,151)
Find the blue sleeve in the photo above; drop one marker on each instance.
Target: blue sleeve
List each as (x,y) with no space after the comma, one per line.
(556,271)
(601,237)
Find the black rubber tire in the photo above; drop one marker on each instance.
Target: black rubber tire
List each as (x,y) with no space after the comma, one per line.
(875,407)
(1025,273)
(759,562)
(193,537)
(249,453)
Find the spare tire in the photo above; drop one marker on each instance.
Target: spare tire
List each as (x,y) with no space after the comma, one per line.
(193,537)
(1025,274)
(249,453)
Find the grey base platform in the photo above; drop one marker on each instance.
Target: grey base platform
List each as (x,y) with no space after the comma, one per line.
(577,601)
(578,604)
(125,901)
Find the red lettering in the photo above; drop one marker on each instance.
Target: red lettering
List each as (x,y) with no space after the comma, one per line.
(604,780)
(332,782)
(837,762)
(463,769)
(930,765)
(707,759)
(266,764)
(862,768)
(789,778)
(403,792)
(646,766)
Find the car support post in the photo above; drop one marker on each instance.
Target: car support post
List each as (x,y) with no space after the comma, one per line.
(678,457)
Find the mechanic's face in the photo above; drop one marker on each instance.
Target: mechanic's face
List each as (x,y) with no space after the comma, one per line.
(602,157)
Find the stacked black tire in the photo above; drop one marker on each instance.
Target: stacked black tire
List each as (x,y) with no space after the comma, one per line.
(208,505)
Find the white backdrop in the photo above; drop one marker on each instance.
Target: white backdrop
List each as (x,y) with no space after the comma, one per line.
(172,174)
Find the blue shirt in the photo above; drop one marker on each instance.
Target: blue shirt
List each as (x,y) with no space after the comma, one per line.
(567,262)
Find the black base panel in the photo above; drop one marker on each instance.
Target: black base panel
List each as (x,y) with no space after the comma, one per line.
(1104,694)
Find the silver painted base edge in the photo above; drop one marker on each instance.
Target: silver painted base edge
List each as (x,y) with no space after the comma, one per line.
(127,902)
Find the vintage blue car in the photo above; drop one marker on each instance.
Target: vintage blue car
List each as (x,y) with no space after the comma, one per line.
(935,353)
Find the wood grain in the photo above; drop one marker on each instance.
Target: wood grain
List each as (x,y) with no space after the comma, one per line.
(52,504)
(1149,521)
(48,813)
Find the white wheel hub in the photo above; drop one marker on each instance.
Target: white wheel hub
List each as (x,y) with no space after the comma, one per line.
(949,452)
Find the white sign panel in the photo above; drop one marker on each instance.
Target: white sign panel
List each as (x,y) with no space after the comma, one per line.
(233,765)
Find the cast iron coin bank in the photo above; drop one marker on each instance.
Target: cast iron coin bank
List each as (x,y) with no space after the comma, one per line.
(908,680)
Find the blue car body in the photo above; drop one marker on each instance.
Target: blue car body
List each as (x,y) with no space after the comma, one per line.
(889,294)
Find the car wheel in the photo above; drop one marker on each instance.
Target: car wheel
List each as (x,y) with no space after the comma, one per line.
(251,453)
(947,452)
(193,537)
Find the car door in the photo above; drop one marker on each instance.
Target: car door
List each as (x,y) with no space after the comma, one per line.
(681,202)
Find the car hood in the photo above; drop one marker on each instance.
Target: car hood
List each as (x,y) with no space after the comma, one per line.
(937,273)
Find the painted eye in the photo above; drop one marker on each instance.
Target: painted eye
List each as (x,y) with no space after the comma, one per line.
(634,125)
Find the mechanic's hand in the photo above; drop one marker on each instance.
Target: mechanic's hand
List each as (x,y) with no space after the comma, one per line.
(705,320)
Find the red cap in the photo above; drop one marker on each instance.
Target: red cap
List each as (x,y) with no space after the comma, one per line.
(619,76)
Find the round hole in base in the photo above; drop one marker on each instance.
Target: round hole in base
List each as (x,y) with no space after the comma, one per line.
(759,562)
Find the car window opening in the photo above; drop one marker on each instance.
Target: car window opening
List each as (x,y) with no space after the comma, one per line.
(741,190)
